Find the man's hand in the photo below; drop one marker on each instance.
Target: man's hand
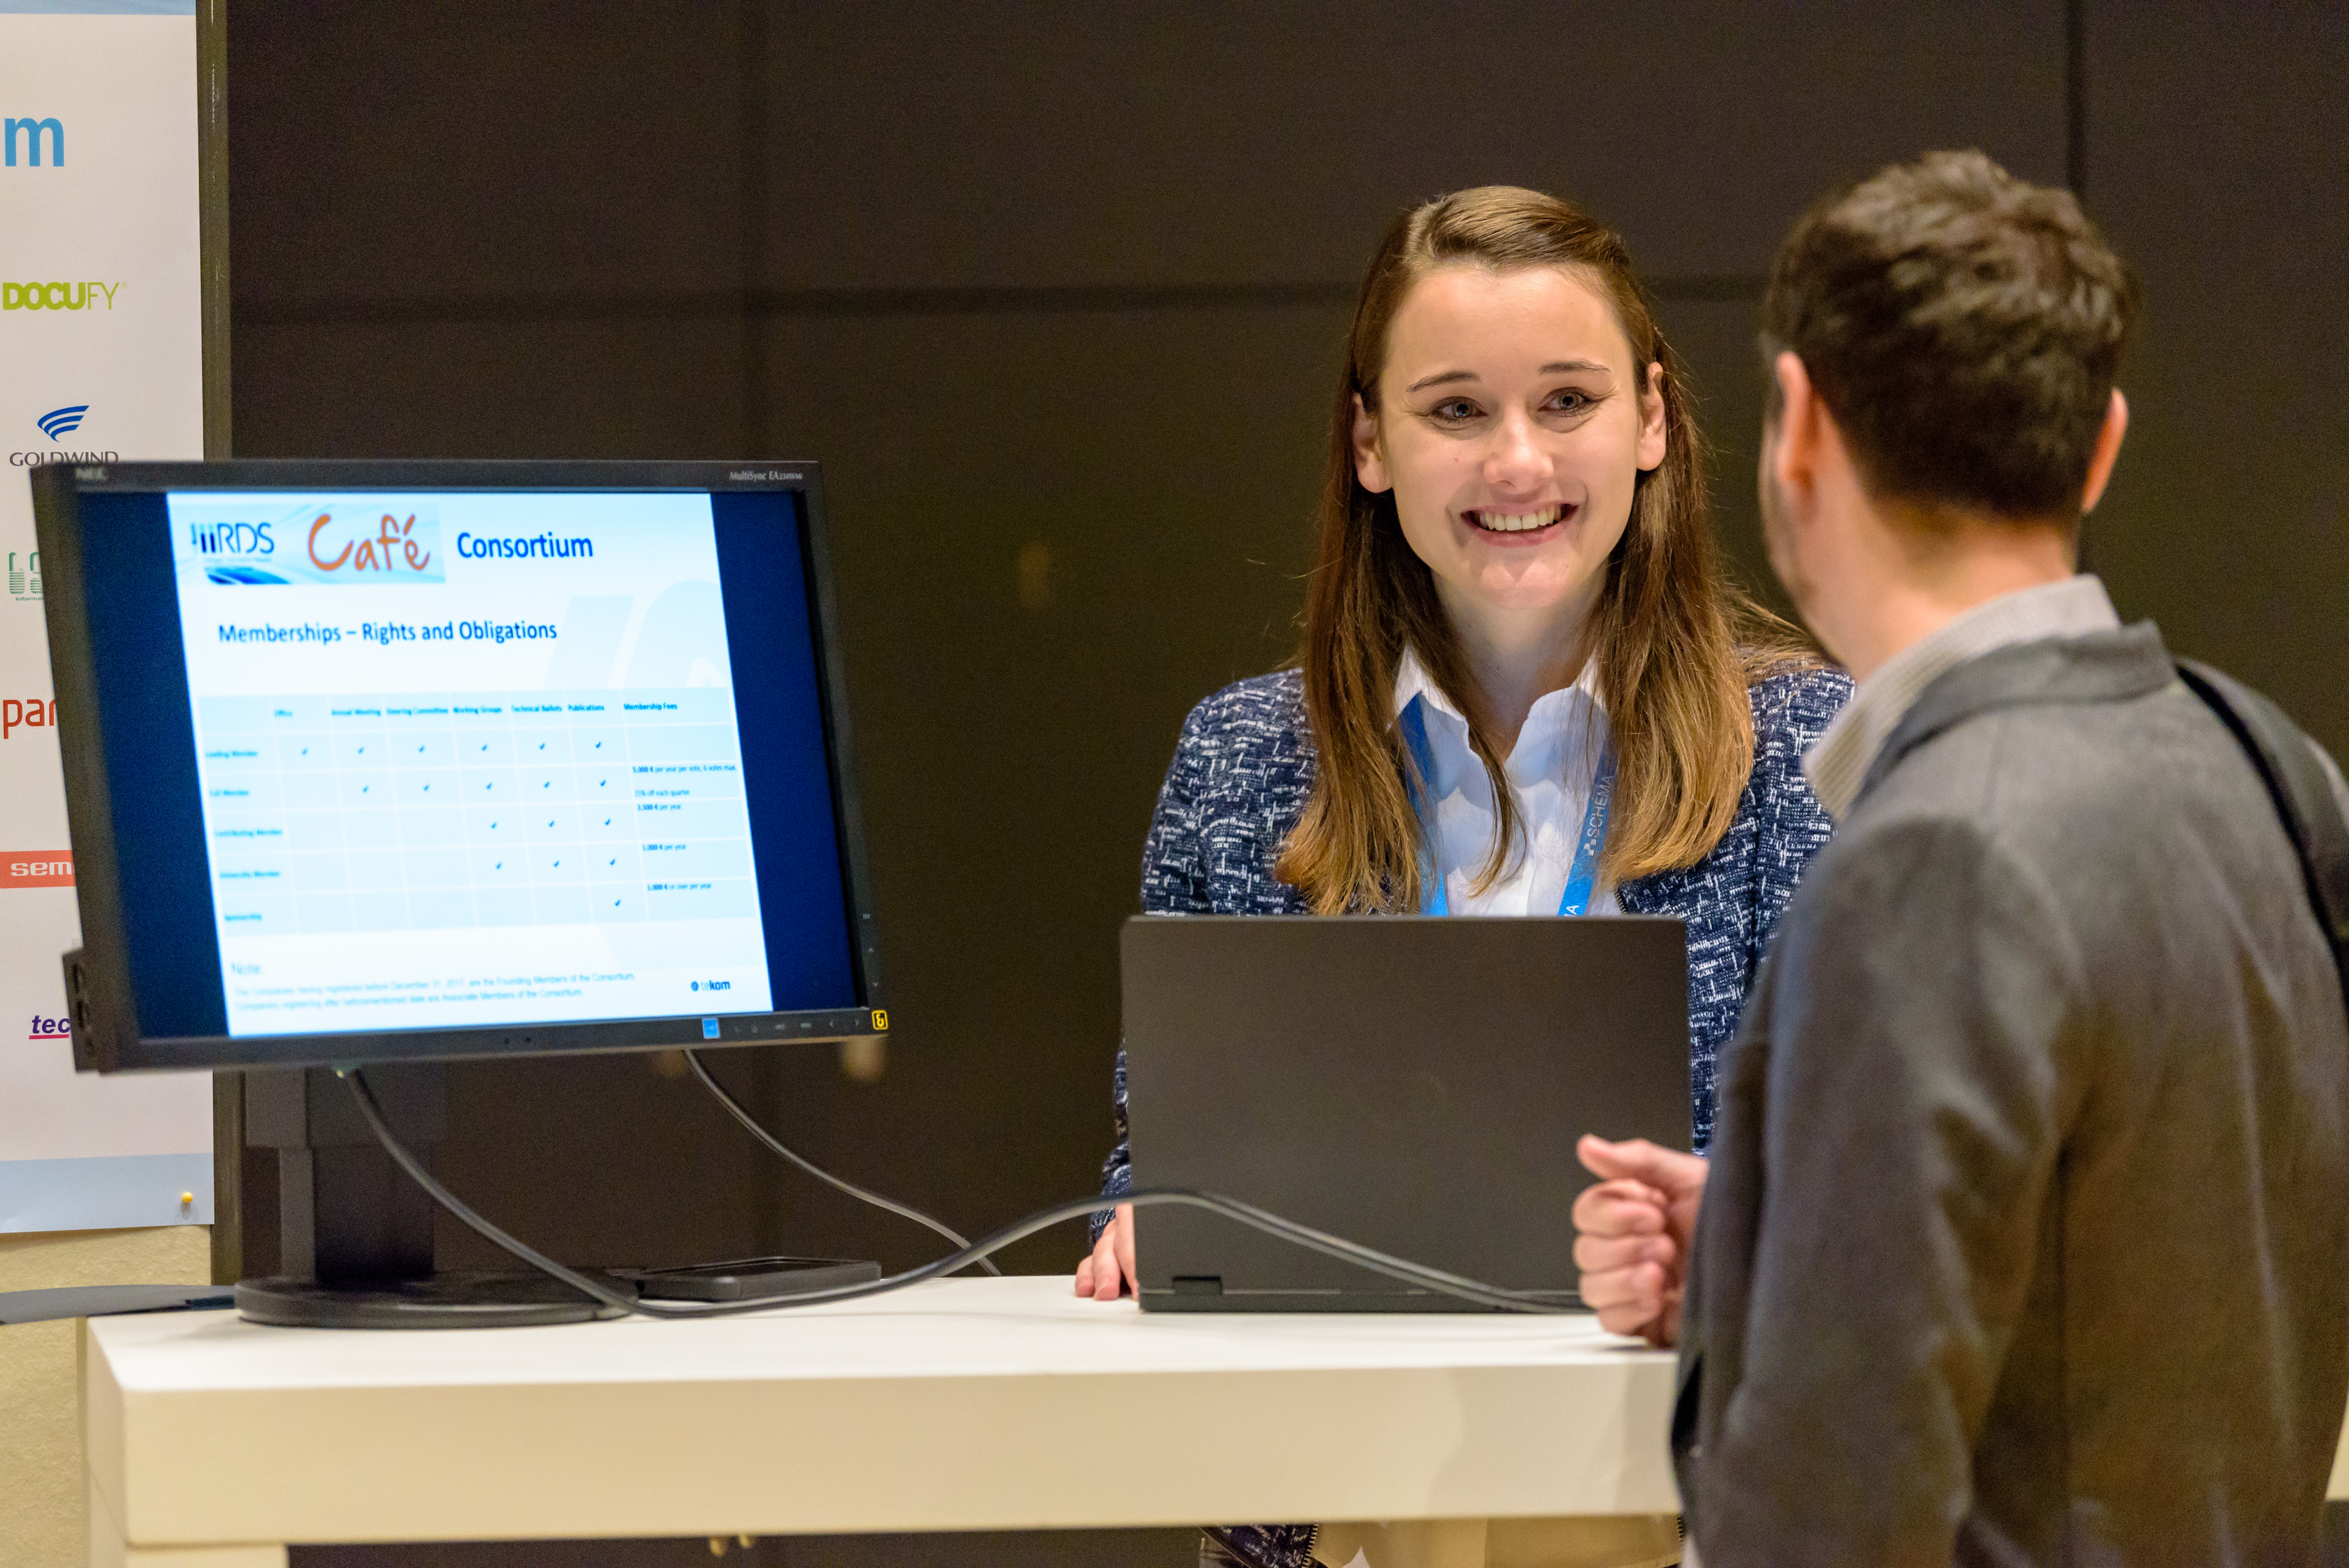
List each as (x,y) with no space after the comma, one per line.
(1111,1267)
(1636,1226)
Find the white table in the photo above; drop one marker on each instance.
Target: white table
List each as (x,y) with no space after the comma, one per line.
(964,1405)
(961,1405)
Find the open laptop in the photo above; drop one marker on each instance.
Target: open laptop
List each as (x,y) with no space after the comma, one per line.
(1411,1083)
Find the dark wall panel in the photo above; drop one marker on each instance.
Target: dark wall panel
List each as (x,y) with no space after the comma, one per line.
(2216,159)
(438,149)
(1072,144)
(1055,533)
(594,386)
(1055,294)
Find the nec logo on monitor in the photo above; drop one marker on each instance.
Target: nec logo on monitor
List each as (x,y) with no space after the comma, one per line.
(319,545)
(27,134)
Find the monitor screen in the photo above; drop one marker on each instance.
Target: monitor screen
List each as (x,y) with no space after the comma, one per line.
(425,763)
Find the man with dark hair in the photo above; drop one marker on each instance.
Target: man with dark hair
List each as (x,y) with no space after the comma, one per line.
(2026,1236)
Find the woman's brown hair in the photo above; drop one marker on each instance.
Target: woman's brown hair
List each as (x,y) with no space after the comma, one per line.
(1665,629)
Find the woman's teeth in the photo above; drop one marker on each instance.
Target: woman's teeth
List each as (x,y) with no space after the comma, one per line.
(1514,521)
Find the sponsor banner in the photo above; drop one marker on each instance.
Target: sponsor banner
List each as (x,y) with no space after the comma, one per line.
(101,359)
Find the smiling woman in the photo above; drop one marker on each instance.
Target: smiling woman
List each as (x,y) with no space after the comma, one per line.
(1527,688)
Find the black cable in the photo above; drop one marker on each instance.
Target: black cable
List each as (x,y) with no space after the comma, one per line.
(1043,1219)
(862,1194)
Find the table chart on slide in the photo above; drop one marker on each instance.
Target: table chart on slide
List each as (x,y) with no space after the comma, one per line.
(373,813)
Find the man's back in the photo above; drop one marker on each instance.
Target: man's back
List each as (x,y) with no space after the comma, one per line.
(2045,1099)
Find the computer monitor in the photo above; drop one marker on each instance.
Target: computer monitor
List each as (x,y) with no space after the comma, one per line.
(371,761)
(396,763)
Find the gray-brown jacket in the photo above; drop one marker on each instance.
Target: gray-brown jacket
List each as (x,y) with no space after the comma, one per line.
(2026,1239)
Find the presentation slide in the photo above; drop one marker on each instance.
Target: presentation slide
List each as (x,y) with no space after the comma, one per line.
(467,760)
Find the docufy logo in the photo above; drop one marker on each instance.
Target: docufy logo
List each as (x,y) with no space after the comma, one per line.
(320,544)
(88,294)
(24,574)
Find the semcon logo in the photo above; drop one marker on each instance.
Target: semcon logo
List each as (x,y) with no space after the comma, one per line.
(317,545)
(36,867)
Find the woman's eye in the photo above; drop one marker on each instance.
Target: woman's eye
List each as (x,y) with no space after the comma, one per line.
(1568,402)
(1452,410)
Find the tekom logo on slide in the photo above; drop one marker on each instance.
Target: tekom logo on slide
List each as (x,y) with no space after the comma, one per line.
(28,133)
(59,423)
(320,544)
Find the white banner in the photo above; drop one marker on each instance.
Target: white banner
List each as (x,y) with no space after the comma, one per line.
(102,357)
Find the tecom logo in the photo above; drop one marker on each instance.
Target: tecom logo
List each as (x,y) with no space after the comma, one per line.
(317,544)
(91,294)
(25,574)
(28,133)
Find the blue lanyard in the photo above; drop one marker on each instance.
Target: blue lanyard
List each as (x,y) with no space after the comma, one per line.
(1581,877)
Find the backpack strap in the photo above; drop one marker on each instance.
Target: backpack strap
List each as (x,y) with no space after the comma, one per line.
(2302,789)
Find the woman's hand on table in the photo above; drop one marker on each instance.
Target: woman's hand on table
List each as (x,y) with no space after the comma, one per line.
(1634,1230)
(1109,1271)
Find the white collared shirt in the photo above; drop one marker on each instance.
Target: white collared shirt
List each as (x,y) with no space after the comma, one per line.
(1838,764)
(1550,772)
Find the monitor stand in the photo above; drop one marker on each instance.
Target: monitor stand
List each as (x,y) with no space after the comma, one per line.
(354,1233)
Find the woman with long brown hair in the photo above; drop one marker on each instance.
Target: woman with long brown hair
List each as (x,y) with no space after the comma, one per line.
(1527,688)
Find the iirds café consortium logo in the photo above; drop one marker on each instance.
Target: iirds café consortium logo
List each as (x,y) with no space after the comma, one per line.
(24,574)
(321,544)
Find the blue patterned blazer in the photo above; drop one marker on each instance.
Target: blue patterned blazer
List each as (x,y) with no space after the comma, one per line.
(1238,783)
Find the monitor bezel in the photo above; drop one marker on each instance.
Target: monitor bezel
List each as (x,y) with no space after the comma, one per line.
(100,994)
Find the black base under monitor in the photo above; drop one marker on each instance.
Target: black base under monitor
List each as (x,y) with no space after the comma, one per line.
(355,1232)
(436,1301)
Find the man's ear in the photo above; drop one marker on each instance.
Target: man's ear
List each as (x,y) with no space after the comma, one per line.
(1794,455)
(1370,466)
(2107,453)
(1653,435)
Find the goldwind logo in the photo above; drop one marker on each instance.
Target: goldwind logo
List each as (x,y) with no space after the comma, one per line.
(56,425)
(92,295)
(28,132)
(25,574)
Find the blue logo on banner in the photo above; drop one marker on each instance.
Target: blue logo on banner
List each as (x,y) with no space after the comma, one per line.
(27,133)
(59,423)
(709,1028)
